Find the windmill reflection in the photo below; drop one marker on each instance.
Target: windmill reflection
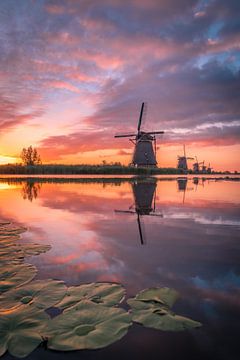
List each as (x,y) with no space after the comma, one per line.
(144,193)
(197,182)
(30,190)
(182,187)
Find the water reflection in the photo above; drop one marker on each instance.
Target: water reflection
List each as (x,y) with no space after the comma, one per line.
(30,190)
(194,248)
(182,187)
(144,193)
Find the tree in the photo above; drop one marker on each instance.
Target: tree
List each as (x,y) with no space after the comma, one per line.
(30,156)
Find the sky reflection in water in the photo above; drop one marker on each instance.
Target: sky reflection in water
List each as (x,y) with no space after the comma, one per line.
(180,234)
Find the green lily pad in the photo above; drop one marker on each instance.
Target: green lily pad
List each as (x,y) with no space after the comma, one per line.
(89,326)
(16,275)
(10,229)
(42,294)
(151,308)
(164,295)
(108,294)
(11,254)
(8,239)
(20,330)
(34,249)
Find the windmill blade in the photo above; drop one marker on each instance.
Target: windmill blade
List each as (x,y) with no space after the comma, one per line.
(124,135)
(141,230)
(140,118)
(124,211)
(144,114)
(156,214)
(154,132)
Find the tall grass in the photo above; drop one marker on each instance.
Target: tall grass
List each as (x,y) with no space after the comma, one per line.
(55,169)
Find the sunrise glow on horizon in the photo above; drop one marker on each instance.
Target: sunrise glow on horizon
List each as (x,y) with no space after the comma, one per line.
(74,73)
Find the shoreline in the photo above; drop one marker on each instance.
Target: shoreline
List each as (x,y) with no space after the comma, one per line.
(112,177)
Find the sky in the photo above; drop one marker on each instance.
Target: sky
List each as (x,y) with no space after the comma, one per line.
(74,72)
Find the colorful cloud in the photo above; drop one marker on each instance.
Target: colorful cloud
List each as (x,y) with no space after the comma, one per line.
(95,62)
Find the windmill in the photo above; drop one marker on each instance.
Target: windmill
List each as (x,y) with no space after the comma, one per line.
(204,167)
(209,169)
(144,193)
(196,166)
(144,152)
(182,161)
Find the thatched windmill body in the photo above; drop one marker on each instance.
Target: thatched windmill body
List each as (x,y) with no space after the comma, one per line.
(144,144)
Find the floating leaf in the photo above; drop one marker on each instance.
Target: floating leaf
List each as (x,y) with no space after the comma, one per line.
(89,326)
(10,229)
(108,294)
(151,308)
(8,239)
(34,249)
(11,257)
(20,330)
(16,275)
(40,293)
(164,295)
(4,222)
(10,253)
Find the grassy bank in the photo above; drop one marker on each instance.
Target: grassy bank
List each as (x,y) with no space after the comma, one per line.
(83,170)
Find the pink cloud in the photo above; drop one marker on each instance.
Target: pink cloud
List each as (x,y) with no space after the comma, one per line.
(55,9)
(62,85)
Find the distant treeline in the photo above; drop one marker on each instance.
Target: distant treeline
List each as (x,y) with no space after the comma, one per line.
(54,169)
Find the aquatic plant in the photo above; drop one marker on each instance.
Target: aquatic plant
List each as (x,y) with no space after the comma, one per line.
(108,294)
(87,326)
(16,275)
(151,308)
(20,330)
(8,229)
(41,294)
(91,316)
(34,249)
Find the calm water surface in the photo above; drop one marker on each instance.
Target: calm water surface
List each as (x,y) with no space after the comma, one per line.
(180,233)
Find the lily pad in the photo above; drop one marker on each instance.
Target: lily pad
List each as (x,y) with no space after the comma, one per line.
(89,326)
(4,222)
(108,294)
(151,308)
(11,254)
(8,239)
(163,295)
(10,229)
(42,294)
(20,330)
(34,249)
(16,275)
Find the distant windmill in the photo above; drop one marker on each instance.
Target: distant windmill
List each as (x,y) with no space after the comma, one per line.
(196,166)
(182,161)
(209,169)
(144,193)
(144,153)
(204,168)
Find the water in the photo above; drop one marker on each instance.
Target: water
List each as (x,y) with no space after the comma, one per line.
(179,233)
